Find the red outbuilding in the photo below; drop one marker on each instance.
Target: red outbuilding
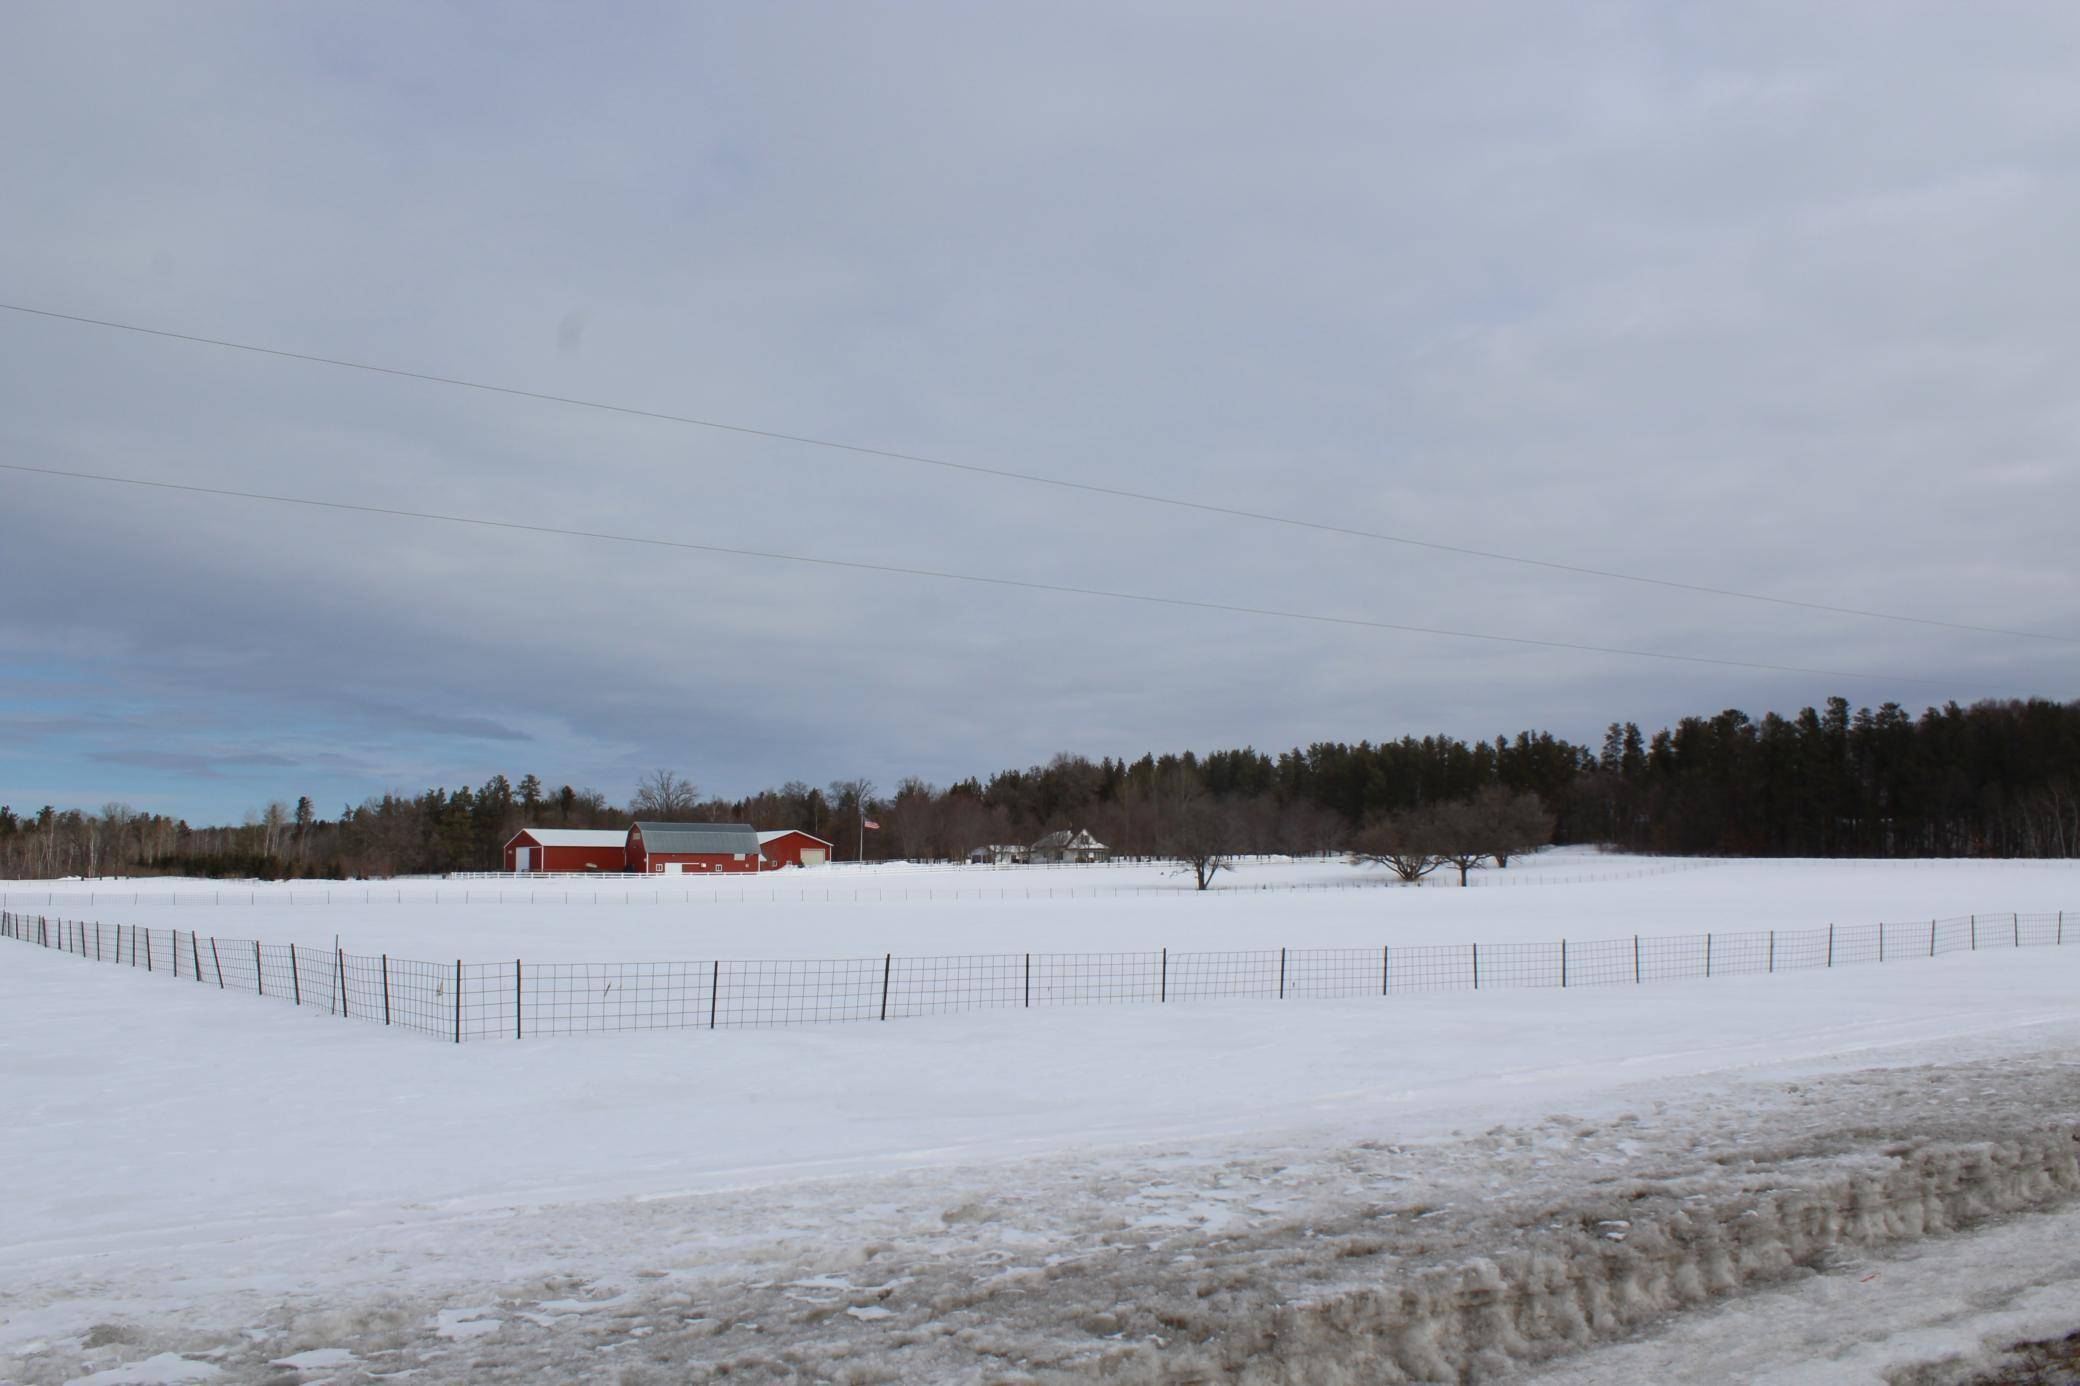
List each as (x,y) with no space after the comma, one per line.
(793,847)
(567,849)
(672,849)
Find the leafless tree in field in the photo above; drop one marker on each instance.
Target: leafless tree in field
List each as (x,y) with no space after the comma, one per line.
(1406,843)
(1200,833)
(1496,823)
(1520,822)
(1465,834)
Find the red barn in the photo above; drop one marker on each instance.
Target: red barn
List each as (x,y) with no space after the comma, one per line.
(793,847)
(567,849)
(671,849)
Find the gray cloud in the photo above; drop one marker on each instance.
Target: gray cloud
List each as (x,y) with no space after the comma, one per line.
(1769,299)
(199,765)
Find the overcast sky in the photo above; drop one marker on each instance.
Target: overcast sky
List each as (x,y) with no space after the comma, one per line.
(1776,298)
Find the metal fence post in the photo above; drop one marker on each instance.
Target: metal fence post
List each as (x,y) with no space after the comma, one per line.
(195,953)
(1163,977)
(714,992)
(1476,966)
(295,975)
(1563,963)
(1281,974)
(2016,921)
(1772,950)
(1931,938)
(1975,933)
(216,960)
(1385,967)
(386,988)
(458,1000)
(1635,959)
(148,948)
(259,977)
(1029,980)
(1830,945)
(1708,953)
(887,961)
(97,940)
(517,1032)
(339,978)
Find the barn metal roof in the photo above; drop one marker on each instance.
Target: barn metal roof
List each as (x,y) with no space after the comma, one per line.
(707,839)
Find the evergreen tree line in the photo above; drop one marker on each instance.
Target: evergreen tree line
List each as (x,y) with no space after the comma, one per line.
(1997,778)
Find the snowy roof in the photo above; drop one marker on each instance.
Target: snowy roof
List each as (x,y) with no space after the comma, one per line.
(699,839)
(576,837)
(764,838)
(1080,840)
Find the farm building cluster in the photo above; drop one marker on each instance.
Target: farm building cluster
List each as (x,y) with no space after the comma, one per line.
(663,849)
(673,849)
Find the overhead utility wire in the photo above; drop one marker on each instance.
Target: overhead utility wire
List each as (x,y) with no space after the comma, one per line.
(1032,478)
(942,575)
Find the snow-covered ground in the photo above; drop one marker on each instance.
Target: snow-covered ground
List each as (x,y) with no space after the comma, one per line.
(856,912)
(202,1185)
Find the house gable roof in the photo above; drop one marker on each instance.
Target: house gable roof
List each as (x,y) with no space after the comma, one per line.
(1078,840)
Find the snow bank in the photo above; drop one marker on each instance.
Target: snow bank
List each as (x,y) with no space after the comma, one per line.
(1587,1278)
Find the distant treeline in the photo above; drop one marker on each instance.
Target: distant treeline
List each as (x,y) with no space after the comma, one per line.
(1993,779)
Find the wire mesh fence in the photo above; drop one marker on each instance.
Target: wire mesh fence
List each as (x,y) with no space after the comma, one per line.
(462,1000)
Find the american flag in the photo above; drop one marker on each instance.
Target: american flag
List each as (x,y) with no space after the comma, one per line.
(870,823)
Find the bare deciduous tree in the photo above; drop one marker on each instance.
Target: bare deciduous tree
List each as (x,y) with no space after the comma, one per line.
(1465,834)
(851,799)
(1496,823)
(1522,823)
(664,797)
(1200,833)
(1405,843)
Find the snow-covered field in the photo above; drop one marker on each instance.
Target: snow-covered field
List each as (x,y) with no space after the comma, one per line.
(202,1185)
(857,912)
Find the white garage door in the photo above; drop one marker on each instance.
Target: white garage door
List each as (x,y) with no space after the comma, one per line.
(522,857)
(812,856)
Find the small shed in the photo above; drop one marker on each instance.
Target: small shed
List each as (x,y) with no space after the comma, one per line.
(793,847)
(672,849)
(1001,854)
(567,849)
(1069,845)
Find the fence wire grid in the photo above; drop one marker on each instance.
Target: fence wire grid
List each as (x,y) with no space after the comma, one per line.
(464,1000)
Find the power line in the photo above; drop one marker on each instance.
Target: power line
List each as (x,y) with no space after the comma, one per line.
(1032,478)
(900,570)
